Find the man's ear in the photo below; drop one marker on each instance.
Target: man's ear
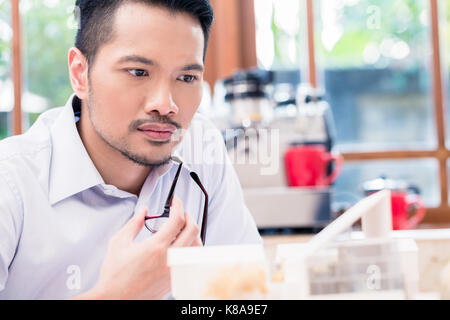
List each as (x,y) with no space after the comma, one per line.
(78,71)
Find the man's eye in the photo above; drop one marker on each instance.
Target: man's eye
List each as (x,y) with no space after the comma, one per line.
(188,78)
(138,72)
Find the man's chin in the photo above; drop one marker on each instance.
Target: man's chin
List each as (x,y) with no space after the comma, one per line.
(157,143)
(145,161)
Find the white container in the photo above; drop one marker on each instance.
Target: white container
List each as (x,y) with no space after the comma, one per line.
(218,272)
(366,268)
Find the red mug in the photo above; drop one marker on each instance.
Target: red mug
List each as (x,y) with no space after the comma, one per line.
(408,207)
(307,166)
(407,210)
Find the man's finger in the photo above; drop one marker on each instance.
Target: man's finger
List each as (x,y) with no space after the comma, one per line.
(197,242)
(135,224)
(188,235)
(176,222)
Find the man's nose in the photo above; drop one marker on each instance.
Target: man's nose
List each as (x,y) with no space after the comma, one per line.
(160,99)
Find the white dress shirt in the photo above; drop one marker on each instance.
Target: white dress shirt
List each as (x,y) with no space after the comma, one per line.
(57,214)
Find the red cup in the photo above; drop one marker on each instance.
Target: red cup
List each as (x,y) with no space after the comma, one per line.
(307,166)
(407,210)
(408,207)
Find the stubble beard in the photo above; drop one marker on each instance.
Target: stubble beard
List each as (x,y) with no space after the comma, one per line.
(123,147)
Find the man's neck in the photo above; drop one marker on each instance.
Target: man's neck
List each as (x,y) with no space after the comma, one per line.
(114,168)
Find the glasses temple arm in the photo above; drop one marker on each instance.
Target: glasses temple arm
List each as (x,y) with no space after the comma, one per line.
(171,192)
(195,177)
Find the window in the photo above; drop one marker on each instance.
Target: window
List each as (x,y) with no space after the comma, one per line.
(279,43)
(378,63)
(444,16)
(374,59)
(6,83)
(349,187)
(49,31)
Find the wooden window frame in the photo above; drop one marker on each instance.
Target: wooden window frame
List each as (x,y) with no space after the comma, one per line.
(16,68)
(233,46)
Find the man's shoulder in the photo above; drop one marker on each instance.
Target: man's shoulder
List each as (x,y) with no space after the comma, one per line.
(30,148)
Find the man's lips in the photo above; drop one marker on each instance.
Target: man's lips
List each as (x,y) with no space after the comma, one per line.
(158,131)
(158,127)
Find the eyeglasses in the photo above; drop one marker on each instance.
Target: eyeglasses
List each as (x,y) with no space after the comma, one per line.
(154,223)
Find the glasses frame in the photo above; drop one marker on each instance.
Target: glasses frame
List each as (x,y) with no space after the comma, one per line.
(169,200)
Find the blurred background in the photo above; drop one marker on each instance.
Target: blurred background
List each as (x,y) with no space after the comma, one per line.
(381,66)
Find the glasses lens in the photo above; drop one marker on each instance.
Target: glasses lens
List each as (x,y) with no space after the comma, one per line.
(155,224)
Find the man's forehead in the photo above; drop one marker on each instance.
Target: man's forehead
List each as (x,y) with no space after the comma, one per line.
(137,14)
(144,33)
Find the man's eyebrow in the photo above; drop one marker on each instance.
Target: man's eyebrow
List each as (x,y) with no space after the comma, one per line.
(192,67)
(139,59)
(135,58)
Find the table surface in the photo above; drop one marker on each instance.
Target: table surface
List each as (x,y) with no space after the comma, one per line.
(423,232)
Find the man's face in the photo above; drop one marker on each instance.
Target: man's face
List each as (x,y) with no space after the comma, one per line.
(147,82)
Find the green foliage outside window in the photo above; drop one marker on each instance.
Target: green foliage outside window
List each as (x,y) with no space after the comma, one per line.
(49,31)
(5,58)
(357,24)
(374,23)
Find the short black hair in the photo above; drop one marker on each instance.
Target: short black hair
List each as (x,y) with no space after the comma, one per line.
(95,18)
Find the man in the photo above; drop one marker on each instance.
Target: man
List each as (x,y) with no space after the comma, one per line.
(76,188)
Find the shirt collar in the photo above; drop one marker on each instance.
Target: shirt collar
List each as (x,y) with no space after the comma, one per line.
(178,154)
(71,168)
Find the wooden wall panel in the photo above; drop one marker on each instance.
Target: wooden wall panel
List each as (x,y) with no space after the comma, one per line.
(232,43)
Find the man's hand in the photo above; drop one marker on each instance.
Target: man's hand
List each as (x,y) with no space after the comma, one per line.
(133,270)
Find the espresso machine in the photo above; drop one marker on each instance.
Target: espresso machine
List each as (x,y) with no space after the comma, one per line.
(262,115)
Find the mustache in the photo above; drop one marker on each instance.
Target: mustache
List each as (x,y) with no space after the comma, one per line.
(154,119)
